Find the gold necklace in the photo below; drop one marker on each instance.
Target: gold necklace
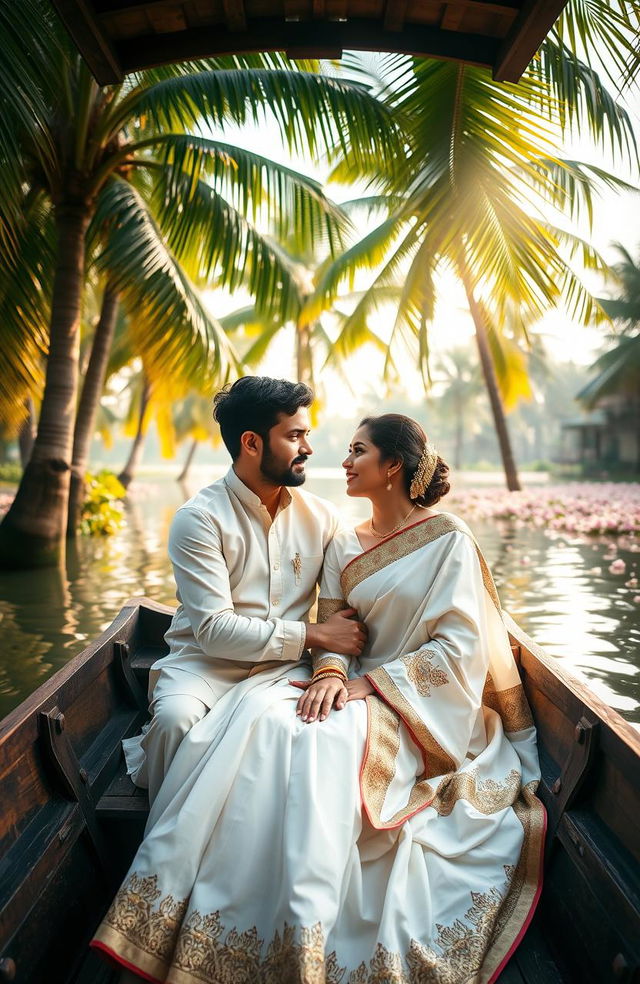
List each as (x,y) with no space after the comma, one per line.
(381,536)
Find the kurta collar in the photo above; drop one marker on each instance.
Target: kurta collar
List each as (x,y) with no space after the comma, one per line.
(249,498)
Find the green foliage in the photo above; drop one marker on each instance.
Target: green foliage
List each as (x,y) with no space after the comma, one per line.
(11,471)
(102,513)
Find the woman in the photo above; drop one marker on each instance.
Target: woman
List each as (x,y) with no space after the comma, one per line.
(383,825)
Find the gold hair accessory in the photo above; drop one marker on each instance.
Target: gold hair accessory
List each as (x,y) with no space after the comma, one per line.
(424,471)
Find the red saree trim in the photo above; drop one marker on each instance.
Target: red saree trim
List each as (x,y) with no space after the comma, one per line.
(114,957)
(376,823)
(534,906)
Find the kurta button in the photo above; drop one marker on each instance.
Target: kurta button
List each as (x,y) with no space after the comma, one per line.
(274,602)
(276,567)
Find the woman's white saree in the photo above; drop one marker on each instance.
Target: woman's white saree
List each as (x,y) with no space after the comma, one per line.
(397,842)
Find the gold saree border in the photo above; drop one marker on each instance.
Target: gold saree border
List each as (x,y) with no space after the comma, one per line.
(393,548)
(510,704)
(407,541)
(525,887)
(120,950)
(437,761)
(329,606)
(379,765)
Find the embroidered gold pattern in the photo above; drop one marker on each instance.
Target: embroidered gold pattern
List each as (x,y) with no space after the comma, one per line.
(132,914)
(405,543)
(438,762)
(511,704)
(297,567)
(379,766)
(486,796)
(200,950)
(385,967)
(422,673)
(329,606)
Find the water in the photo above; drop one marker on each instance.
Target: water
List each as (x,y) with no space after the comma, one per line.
(549,583)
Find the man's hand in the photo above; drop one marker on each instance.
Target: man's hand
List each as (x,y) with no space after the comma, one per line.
(341,634)
(320,697)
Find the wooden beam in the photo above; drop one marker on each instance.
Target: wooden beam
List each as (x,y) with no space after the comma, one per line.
(452,16)
(306,37)
(394,15)
(234,15)
(528,31)
(90,39)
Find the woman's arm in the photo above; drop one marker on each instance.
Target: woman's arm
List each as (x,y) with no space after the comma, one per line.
(330,670)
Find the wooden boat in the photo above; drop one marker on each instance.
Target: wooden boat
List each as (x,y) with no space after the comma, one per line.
(71,819)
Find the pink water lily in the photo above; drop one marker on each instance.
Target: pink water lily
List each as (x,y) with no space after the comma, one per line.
(583,509)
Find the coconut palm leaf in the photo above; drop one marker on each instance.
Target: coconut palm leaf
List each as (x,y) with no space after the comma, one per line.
(215,238)
(26,38)
(572,186)
(25,298)
(166,313)
(617,371)
(313,113)
(253,184)
(581,99)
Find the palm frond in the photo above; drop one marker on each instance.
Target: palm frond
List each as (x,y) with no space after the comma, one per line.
(581,99)
(166,314)
(253,184)
(313,113)
(25,302)
(212,236)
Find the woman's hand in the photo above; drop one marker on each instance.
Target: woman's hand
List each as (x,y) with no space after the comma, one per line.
(359,688)
(320,697)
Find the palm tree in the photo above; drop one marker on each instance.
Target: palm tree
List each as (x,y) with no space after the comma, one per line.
(99,145)
(617,371)
(462,387)
(473,195)
(193,421)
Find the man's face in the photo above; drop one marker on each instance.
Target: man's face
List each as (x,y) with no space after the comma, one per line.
(286,448)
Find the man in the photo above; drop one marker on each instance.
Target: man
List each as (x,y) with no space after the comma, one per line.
(247,553)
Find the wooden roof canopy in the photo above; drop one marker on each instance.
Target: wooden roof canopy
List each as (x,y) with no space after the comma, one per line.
(119,36)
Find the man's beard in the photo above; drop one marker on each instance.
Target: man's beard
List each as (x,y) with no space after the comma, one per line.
(272,469)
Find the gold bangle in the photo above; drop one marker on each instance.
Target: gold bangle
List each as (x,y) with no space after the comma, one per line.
(328,676)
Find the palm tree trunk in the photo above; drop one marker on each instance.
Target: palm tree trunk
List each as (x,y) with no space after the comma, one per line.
(304,359)
(27,434)
(32,533)
(491,382)
(89,403)
(459,435)
(129,470)
(182,477)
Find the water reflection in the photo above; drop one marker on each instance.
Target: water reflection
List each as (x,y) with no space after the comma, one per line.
(557,587)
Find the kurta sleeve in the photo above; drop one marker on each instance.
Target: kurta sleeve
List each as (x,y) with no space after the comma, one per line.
(330,601)
(202,579)
(437,689)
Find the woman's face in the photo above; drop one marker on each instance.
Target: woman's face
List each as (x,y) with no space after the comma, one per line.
(366,473)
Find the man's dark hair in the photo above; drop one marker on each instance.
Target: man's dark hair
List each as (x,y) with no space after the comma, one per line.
(254,403)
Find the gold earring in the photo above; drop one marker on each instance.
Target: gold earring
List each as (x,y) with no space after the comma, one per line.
(389,485)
